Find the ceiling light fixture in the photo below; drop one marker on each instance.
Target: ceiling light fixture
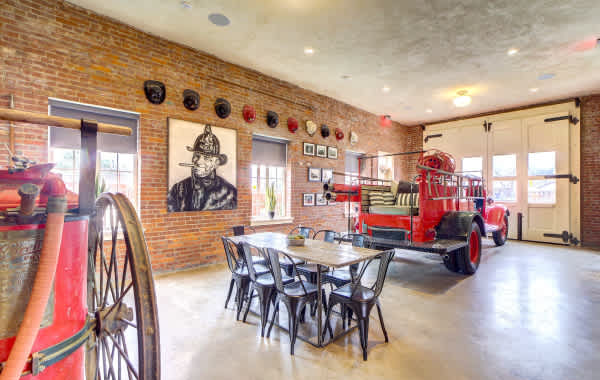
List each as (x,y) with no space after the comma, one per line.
(386,89)
(534,89)
(512,51)
(218,19)
(309,51)
(429,110)
(463,99)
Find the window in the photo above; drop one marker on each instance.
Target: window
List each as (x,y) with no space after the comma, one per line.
(116,157)
(504,171)
(540,190)
(473,166)
(352,167)
(385,166)
(268,168)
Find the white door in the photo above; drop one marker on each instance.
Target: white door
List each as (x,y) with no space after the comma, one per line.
(547,199)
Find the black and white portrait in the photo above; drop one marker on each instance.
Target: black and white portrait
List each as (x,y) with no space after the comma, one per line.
(202,176)
(309,149)
(314,174)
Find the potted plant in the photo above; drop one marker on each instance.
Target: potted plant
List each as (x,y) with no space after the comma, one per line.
(270,200)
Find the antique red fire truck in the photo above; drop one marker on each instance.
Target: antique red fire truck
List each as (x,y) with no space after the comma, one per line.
(440,210)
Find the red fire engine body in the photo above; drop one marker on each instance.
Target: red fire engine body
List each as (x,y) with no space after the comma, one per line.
(439,211)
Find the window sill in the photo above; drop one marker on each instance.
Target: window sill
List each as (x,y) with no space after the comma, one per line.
(265,221)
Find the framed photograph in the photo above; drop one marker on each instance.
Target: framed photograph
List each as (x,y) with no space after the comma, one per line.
(320,199)
(308,199)
(332,152)
(309,149)
(326,175)
(202,167)
(321,151)
(314,174)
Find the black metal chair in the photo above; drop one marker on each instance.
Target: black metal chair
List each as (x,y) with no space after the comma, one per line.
(294,295)
(264,285)
(241,230)
(361,299)
(328,235)
(239,273)
(306,232)
(341,277)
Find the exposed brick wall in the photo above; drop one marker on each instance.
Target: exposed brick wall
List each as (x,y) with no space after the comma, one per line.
(55,49)
(590,164)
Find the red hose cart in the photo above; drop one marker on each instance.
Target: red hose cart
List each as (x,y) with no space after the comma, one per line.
(76,268)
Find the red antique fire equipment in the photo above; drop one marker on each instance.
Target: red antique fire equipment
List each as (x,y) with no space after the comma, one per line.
(76,291)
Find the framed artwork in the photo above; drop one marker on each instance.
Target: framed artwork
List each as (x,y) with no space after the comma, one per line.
(326,175)
(321,151)
(308,199)
(309,149)
(320,199)
(332,152)
(202,176)
(314,174)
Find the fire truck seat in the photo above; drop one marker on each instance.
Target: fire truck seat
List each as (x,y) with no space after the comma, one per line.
(393,210)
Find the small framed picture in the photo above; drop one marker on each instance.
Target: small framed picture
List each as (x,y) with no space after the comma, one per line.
(314,174)
(308,199)
(309,149)
(332,152)
(320,199)
(326,175)
(321,151)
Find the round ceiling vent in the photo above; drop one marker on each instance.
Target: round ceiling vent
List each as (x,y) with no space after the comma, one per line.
(218,19)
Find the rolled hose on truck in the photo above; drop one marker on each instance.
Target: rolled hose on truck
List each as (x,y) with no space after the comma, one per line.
(42,286)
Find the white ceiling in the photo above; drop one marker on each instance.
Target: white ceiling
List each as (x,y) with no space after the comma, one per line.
(425,51)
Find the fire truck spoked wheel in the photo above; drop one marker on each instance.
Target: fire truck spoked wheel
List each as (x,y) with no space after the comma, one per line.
(469,257)
(501,235)
(121,297)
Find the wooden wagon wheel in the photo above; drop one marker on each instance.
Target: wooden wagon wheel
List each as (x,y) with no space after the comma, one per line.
(121,298)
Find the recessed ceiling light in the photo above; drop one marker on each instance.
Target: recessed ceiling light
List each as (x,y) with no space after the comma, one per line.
(534,89)
(218,19)
(546,76)
(386,89)
(429,110)
(512,51)
(462,100)
(186,4)
(309,51)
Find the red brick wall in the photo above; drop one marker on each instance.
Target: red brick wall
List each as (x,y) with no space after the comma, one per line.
(55,49)
(590,173)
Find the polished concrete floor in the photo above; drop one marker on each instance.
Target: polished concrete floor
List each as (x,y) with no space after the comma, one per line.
(531,312)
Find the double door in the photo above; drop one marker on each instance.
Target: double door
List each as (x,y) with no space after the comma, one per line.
(527,159)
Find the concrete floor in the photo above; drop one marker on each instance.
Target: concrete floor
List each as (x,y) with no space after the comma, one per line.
(532,311)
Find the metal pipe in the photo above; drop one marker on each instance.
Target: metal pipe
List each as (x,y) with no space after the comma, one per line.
(361,177)
(395,154)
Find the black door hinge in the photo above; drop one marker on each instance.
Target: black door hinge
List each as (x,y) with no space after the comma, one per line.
(487,126)
(432,137)
(573,120)
(573,179)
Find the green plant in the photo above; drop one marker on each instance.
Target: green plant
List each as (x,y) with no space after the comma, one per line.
(270,198)
(100,186)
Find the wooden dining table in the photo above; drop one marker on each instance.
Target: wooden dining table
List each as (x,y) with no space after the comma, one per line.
(321,253)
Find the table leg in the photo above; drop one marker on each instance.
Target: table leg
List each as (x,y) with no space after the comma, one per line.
(319,307)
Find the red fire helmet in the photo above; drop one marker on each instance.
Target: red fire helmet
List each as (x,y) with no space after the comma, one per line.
(385,120)
(339,134)
(249,113)
(292,124)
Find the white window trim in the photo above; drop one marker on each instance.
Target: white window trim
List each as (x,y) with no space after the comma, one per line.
(262,221)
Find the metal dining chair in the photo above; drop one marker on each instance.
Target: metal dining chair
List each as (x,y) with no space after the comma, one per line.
(294,295)
(263,285)
(361,299)
(241,230)
(239,273)
(328,235)
(307,232)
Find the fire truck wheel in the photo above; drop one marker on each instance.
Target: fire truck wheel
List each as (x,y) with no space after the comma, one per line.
(451,262)
(469,257)
(501,235)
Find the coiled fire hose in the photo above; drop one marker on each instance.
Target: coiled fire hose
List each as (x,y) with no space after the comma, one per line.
(42,286)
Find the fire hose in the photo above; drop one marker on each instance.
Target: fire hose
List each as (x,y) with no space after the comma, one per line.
(42,286)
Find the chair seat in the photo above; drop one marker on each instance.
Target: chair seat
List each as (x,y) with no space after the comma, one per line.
(259,269)
(357,293)
(267,280)
(258,260)
(338,275)
(295,289)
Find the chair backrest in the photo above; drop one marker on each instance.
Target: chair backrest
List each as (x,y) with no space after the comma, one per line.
(276,268)
(307,232)
(238,230)
(234,259)
(384,261)
(328,235)
(359,240)
(249,251)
